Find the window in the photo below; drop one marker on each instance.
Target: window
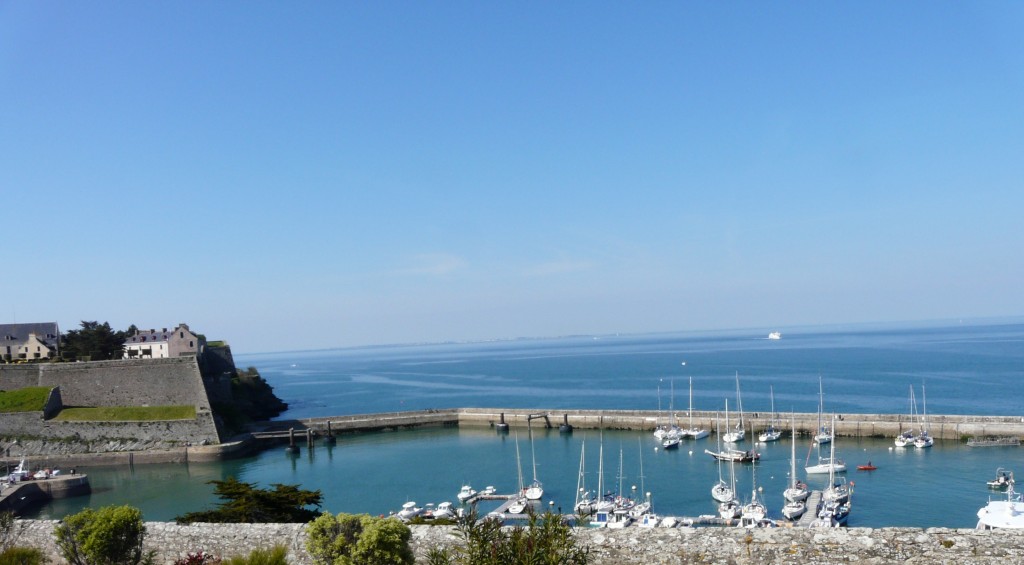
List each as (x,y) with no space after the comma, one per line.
(191,343)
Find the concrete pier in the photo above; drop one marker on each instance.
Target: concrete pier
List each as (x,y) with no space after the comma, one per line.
(947,427)
(20,495)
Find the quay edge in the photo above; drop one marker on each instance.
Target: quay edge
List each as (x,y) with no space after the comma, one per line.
(947,427)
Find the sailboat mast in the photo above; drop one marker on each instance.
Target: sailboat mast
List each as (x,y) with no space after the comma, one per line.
(580,479)
(533,456)
(792,458)
(690,410)
(739,401)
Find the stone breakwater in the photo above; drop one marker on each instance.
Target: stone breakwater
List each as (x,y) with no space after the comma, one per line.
(619,547)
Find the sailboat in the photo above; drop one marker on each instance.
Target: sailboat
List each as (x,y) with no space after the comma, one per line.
(829,464)
(739,433)
(536,490)
(644,507)
(736,455)
(603,507)
(753,514)
(691,431)
(584,502)
(908,436)
(824,434)
(924,440)
(835,505)
(771,433)
(796,494)
(730,509)
(518,505)
(721,492)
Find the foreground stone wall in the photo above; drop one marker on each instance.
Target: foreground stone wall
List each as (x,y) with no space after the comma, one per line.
(622,547)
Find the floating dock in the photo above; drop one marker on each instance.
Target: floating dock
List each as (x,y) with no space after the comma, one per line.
(813,505)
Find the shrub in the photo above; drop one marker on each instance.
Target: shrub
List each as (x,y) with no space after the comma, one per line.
(22,556)
(277,555)
(198,558)
(244,503)
(545,540)
(348,539)
(112,535)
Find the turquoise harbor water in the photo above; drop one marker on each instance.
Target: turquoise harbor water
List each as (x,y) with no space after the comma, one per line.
(968,369)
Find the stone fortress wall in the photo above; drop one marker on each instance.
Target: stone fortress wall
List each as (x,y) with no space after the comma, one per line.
(142,382)
(629,546)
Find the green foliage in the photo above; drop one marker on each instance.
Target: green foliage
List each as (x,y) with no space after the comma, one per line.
(6,530)
(22,556)
(95,341)
(277,555)
(545,540)
(348,539)
(254,396)
(28,399)
(112,535)
(244,503)
(127,413)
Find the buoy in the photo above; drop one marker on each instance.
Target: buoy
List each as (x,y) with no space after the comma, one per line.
(691,452)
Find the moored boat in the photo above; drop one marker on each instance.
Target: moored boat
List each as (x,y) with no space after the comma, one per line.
(1002,514)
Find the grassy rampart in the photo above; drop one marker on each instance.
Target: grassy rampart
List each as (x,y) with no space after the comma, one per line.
(28,399)
(127,414)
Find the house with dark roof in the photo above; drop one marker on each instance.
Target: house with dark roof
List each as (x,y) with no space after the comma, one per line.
(153,344)
(29,341)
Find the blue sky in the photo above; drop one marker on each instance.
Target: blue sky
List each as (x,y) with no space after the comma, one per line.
(322,174)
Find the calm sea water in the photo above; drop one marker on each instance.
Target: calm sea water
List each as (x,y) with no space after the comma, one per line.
(968,369)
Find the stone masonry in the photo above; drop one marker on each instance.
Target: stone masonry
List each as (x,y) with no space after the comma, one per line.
(630,546)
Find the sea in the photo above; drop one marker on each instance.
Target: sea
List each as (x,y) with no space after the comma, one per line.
(955,367)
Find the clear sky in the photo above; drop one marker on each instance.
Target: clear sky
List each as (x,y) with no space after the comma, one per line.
(291,175)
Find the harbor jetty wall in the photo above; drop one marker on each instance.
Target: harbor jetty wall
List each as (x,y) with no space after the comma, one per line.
(629,546)
(948,427)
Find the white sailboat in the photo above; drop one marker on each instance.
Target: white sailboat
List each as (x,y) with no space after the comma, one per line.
(829,464)
(721,491)
(536,489)
(924,440)
(518,505)
(584,501)
(824,435)
(797,491)
(908,437)
(643,507)
(669,432)
(772,433)
(731,509)
(691,431)
(738,434)
(753,513)
(835,499)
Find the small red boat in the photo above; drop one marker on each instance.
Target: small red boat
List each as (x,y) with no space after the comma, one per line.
(868,467)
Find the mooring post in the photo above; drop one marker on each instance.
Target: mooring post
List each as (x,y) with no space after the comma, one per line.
(330,435)
(501,426)
(292,448)
(309,438)
(565,428)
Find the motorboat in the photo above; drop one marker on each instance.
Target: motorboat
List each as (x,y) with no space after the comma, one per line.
(1002,514)
(518,505)
(409,511)
(671,442)
(444,511)
(465,493)
(775,335)
(868,467)
(1003,480)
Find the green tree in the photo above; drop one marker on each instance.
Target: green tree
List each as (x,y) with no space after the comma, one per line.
(95,341)
(244,503)
(545,540)
(348,539)
(112,535)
